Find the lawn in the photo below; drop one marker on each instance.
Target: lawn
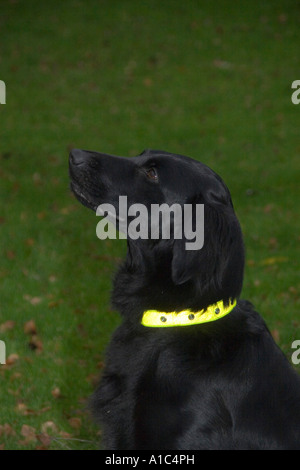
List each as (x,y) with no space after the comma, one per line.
(209,81)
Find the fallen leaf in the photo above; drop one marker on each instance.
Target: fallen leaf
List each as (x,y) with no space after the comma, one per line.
(148,82)
(251,262)
(75,423)
(10,254)
(35,300)
(14,393)
(6,326)
(273,243)
(54,303)
(282,18)
(293,290)
(268,208)
(30,328)
(23,409)
(45,439)
(29,433)
(56,393)
(49,426)
(32,300)
(12,359)
(276,335)
(43,410)
(37,179)
(15,376)
(65,435)
(274,260)
(6,430)
(67,210)
(35,344)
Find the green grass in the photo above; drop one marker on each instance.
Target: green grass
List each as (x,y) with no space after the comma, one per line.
(212,82)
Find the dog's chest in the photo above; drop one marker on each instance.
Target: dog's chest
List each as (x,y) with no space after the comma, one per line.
(146,392)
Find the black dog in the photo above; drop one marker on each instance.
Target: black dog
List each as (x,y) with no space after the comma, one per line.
(218,380)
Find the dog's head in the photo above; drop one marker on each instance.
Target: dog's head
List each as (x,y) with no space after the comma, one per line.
(156,177)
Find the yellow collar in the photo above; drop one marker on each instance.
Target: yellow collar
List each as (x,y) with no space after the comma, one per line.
(154,318)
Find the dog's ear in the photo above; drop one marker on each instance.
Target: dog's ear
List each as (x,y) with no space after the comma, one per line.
(218,265)
(184,263)
(193,264)
(186,251)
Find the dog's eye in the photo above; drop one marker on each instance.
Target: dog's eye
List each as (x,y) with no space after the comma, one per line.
(152,174)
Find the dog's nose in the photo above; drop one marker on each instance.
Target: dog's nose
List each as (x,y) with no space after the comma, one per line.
(77,157)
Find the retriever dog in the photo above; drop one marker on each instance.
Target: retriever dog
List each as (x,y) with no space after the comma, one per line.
(192,366)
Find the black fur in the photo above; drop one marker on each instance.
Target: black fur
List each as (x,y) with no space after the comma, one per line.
(219,385)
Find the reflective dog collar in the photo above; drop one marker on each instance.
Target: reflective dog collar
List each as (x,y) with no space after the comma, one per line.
(154,318)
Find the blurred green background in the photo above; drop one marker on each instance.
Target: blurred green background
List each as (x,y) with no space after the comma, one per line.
(211,80)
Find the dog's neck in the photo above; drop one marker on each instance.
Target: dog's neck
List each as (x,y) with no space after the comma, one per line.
(143,284)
